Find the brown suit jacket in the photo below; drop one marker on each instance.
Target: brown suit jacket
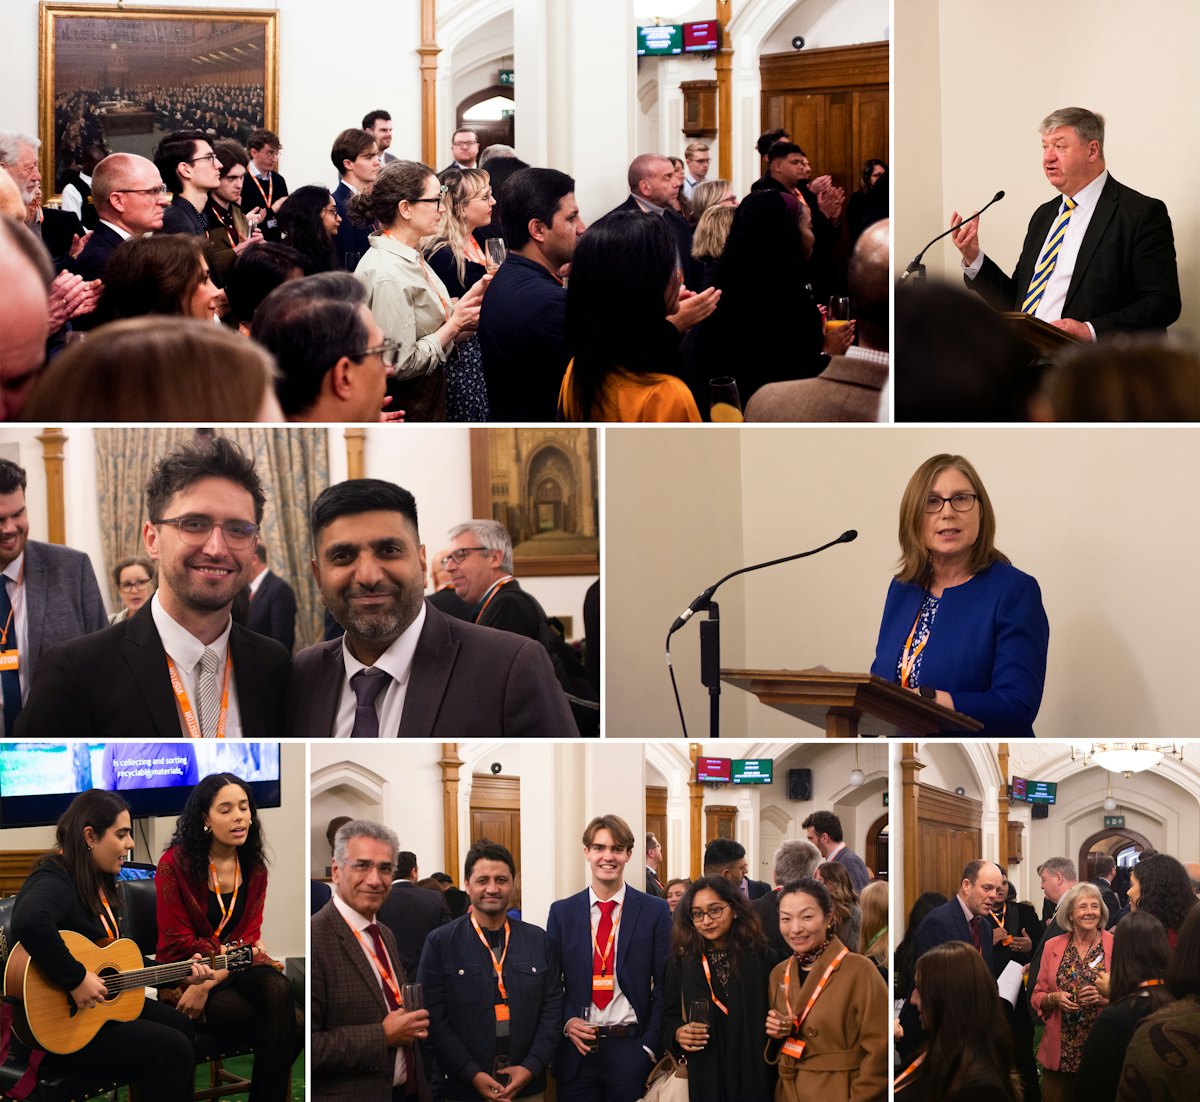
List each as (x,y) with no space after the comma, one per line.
(847,390)
(351,1061)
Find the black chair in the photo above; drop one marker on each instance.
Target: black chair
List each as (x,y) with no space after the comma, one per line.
(52,1085)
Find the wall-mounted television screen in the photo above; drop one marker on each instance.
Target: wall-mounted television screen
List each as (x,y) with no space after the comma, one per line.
(702,38)
(1017,788)
(1041,792)
(713,770)
(656,41)
(753,770)
(38,780)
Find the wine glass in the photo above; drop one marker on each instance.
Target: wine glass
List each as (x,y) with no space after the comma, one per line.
(501,1068)
(725,404)
(837,313)
(412,996)
(495,251)
(350,261)
(698,1012)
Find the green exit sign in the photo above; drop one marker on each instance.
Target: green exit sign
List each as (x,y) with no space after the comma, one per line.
(1115,821)
(885,798)
(506,76)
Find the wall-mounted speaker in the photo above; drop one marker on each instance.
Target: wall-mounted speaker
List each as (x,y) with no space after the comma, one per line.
(799,784)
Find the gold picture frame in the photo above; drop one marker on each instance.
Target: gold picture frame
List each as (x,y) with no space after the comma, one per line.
(543,485)
(108,72)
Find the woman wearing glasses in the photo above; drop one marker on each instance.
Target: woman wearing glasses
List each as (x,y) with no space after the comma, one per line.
(961,625)
(134,579)
(211,886)
(408,300)
(717,995)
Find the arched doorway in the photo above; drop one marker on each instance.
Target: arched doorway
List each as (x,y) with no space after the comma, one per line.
(876,855)
(491,113)
(1119,843)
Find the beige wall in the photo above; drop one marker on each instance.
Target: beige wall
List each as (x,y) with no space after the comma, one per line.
(976,79)
(1101,517)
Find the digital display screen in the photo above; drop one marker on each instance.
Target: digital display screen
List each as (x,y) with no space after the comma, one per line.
(753,770)
(664,39)
(1018,788)
(701,38)
(713,770)
(1041,792)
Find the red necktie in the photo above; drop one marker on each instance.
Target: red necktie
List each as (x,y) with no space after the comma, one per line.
(976,938)
(599,968)
(410,1081)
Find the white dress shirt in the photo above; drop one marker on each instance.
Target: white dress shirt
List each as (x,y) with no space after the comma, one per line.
(620,1011)
(16,595)
(397,660)
(72,197)
(185,650)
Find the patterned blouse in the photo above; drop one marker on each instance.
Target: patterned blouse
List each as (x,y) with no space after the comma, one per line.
(1075,973)
(924,626)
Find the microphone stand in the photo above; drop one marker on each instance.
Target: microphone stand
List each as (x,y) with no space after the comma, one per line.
(916,268)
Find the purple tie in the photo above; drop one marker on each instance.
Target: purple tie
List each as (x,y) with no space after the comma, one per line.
(367,685)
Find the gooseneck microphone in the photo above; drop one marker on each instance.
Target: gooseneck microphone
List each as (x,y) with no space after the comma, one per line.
(916,268)
(702,602)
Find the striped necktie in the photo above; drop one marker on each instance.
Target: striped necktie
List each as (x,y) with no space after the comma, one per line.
(1049,257)
(209,694)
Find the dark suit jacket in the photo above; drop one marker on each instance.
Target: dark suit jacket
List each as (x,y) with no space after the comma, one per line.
(654,885)
(767,909)
(512,609)
(449,602)
(62,600)
(460,992)
(59,230)
(273,611)
(847,390)
(466,680)
(319,894)
(1110,901)
(643,945)
(756,889)
(114,684)
(1125,277)
(91,263)
(693,273)
(412,913)
(351,1061)
(350,238)
(860,875)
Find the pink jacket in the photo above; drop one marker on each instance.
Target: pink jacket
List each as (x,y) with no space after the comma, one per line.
(1049,1052)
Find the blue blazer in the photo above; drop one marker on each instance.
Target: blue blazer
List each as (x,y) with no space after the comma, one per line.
(460,993)
(987,648)
(350,237)
(643,946)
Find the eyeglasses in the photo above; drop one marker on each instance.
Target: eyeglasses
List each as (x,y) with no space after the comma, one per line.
(459,554)
(467,141)
(155,191)
(388,352)
(960,503)
(441,195)
(485,195)
(129,587)
(362,866)
(713,913)
(195,530)
(332,209)
(204,157)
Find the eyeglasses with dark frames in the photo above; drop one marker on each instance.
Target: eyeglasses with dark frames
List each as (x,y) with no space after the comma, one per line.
(388,352)
(195,530)
(960,503)
(129,587)
(203,157)
(155,191)
(459,554)
(439,198)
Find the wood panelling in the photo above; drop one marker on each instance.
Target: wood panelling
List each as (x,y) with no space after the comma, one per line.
(496,812)
(656,824)
(15,865)
(718,822)
(949,834)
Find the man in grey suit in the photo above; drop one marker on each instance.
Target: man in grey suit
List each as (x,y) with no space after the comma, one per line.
(365,1045)
(49,596)
(824,830)
(402,668)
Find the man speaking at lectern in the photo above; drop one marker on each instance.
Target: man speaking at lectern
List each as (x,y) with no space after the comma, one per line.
(1098,260)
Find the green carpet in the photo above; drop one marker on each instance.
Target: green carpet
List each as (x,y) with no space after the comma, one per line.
(240,1065)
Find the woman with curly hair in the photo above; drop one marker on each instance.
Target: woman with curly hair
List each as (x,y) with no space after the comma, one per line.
(309,220)
(212,885)
(1160,886)
(847,916)
(720,958)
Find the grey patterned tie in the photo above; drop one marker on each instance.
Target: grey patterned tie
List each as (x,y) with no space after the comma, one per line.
(367,685)
(208,694)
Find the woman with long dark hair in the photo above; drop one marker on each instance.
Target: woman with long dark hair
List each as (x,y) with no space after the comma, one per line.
(162,273)
(847,915)
(75,889)
(719,958)
(309,220)
(212,885)
(1137,987)
(968,1052)
(902,958)
(1159,885)
(624,353)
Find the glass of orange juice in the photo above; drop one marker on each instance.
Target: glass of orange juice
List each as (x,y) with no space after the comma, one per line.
(725,404)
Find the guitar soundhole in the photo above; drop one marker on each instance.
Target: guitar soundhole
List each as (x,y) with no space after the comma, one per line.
(105,974)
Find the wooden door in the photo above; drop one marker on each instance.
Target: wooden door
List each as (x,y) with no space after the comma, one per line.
(949,835)
(496,812)
(656,823)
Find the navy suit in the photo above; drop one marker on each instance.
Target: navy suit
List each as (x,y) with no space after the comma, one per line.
(93,260)
(460,993)
(273,611)
(692,272)
(756,889)
(351,238)
(643,946)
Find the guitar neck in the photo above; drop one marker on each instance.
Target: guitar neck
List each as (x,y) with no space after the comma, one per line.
(160,974)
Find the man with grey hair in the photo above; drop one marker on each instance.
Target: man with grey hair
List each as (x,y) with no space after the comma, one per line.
(1057,878)
(129,199)
(480,565)
(1096,261)
(795,859)
(62,232)
(365,1045)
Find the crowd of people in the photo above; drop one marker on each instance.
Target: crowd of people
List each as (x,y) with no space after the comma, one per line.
(487,296)
(1108,972)
(747,986)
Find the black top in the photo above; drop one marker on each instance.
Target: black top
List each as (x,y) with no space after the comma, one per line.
(47,903)
(446,267)
(213,912)
(1099,1072)
(182,217)
(512,609)
(522,333)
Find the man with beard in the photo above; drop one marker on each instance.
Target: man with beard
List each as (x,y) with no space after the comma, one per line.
(403,669)
(181,666)
(493,990)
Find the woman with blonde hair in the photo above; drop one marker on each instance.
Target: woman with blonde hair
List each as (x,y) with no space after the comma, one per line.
(712,193)
(873,931)
(708,242)
(459,262)
(961,625)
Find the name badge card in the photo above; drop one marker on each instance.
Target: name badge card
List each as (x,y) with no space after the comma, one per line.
(602,983)
(9,661)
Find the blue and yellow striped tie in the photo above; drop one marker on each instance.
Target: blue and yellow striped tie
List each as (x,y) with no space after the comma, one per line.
(1049,257)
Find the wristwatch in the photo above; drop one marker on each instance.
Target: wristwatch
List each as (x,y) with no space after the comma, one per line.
(927,692)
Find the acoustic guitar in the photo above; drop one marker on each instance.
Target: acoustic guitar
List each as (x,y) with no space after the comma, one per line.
(47,1017)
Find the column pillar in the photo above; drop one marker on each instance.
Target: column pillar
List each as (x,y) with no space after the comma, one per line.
(724,62)
(428,51)
(696,819)
(450,764)
(1002,803)
(910,766)
(53,441)
(356,463)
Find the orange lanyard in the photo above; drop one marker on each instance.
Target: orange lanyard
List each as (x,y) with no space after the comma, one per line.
(908,658)
(498,965)
(270,187)
(1152,983)
(216,883)
(787,984)
(1003,915)
(473,252)
(436,292)
(708,976)
(906,1074)
(11,610)
(385,972)
(185,706)
(110,930)
(612,936)
(495,589)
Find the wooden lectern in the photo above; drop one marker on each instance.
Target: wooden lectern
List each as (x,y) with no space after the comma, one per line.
(1040,339)
(844,702)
